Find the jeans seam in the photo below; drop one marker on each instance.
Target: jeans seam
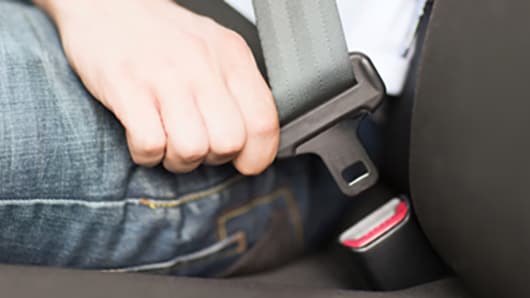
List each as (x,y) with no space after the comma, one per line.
(153,204)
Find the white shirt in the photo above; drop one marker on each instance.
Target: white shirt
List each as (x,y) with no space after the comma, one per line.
(385,30)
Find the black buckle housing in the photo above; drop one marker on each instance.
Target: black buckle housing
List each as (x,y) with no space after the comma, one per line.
(330,130)
(390,249)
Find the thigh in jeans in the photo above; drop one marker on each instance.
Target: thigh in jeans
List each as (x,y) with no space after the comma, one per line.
(71,197)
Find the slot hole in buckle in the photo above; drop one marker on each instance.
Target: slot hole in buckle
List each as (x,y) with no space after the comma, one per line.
(355,173)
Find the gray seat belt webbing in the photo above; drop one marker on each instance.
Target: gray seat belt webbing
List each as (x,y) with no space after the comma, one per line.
(305,53)
(320,91)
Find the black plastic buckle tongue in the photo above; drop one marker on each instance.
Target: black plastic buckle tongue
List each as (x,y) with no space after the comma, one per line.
(330,130)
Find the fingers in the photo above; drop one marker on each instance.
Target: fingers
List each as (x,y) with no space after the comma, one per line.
(187,144)
(203,121)
(222,118)
(135,108)
(257,107)
(261,122)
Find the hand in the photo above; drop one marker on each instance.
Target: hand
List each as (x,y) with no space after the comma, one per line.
(187,90)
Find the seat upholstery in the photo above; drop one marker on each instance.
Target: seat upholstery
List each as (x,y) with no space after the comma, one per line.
(19,282)
(470,143)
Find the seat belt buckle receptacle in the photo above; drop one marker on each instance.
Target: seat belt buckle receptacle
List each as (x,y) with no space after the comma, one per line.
(389,247)
(330,130)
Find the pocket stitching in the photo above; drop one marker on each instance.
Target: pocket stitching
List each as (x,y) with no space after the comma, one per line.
(283,192)
(191,197)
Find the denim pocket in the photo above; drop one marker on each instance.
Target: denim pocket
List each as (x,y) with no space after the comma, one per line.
(236,230)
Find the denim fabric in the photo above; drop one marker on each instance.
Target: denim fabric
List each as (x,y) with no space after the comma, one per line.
(71,197)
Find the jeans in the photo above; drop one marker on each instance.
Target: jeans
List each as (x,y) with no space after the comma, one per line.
(70,195)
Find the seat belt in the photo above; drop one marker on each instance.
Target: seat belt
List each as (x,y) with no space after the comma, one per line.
(320,91)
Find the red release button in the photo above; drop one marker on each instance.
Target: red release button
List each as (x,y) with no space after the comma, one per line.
(376,224)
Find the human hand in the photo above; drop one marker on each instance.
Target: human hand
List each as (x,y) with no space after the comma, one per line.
(187,90)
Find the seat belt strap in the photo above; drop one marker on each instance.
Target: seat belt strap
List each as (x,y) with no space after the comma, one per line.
(320,91)
(305,53)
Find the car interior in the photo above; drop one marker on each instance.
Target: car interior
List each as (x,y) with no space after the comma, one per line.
(451,146)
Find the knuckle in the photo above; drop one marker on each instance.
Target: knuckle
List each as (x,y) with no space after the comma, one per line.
(228,146)
(192,152)
(209,23)
(199,47)
(124,69)
(235,39)
(150,146)
(237,44)
(264,127)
